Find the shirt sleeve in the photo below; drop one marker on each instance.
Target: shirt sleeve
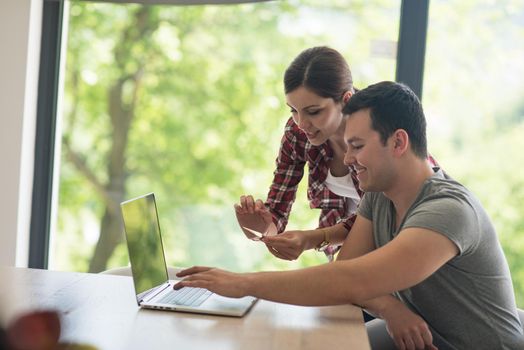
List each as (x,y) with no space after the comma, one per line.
(365,207)
(287,175)
(450,216)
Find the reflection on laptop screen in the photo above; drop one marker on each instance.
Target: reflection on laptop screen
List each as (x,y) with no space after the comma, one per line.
(144,243)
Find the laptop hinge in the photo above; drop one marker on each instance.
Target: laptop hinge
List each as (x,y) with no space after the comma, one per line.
(150,294)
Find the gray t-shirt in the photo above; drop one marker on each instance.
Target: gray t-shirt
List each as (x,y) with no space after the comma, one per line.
(469,302)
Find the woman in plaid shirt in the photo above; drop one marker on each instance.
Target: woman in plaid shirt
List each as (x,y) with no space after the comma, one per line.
(317,85)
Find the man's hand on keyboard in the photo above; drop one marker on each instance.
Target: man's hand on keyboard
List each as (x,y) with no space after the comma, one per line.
(222,282)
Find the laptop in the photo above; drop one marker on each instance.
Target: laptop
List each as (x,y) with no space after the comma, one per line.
(153,288)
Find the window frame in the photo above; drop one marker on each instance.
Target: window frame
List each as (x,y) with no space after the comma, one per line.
(48,84)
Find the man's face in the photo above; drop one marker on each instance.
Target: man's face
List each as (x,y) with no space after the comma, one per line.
(366,155)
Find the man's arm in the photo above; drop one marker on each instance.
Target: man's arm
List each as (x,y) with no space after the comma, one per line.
(408,259)
(360,242)
(403,325)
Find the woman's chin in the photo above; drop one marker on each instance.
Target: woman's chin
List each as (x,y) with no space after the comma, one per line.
(317,140)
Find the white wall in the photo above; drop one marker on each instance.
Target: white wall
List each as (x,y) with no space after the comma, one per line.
(20,29)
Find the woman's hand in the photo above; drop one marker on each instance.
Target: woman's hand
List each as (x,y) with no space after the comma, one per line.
(254,215)
(287,245)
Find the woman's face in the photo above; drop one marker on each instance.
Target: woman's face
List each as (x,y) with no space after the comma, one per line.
(319,117)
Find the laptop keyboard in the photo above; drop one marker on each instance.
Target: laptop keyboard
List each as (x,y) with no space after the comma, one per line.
(186,296)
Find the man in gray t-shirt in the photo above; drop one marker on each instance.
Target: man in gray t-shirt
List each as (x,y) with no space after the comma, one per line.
(468,303)
(422,254)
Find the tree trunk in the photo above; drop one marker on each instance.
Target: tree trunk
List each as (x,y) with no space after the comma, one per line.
(110,237)
(122,113)
(111,225)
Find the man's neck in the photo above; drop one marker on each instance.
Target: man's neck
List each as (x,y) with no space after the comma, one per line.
(408,185)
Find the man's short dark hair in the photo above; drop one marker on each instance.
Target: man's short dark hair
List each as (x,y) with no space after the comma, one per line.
(392,106)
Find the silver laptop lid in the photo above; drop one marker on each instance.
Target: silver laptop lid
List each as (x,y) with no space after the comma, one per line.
(144,244)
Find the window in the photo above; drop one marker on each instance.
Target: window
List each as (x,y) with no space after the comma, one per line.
(187,101)
(474,102)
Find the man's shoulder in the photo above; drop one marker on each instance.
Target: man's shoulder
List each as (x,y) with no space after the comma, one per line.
(447,207)
(443,188)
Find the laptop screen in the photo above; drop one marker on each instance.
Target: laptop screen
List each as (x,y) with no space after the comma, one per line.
(144,243)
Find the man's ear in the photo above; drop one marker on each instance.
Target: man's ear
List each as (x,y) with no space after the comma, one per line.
(400,140)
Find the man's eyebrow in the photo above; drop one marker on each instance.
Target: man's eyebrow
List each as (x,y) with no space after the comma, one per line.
(353,139)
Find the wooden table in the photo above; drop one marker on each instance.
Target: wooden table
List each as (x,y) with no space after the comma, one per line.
(100,311)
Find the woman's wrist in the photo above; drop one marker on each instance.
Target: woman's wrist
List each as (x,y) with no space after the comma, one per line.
(325,236)
(315,238)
